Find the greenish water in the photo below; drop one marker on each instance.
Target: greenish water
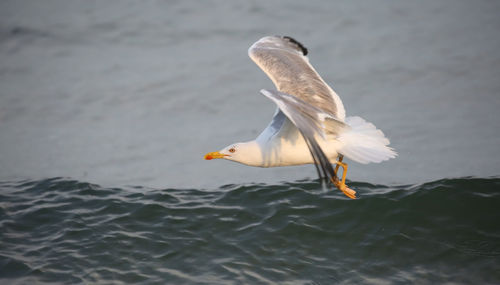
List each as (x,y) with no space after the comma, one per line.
(65,231)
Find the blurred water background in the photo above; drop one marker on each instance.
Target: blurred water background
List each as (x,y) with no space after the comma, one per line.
(122,99)
(131,92)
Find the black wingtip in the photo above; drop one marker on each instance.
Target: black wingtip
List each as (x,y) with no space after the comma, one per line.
(301,46)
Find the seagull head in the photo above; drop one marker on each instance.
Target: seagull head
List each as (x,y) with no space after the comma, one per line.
(248,153)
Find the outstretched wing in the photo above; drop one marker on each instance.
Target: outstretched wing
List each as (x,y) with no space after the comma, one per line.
(284,60)
(310,121)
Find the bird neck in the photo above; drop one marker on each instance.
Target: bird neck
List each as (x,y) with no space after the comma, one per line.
(252,153)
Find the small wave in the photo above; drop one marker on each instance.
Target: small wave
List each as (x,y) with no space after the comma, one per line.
(62,230)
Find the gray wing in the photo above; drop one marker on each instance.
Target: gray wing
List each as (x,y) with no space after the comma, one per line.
(274,126)
(310,121)
(284,60)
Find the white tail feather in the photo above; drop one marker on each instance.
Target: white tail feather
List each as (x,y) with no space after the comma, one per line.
(364,143)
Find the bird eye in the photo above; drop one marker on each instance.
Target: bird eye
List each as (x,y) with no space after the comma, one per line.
(232,150)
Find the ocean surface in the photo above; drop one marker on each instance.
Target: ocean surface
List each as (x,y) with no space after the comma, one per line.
(107,108)
(70,232)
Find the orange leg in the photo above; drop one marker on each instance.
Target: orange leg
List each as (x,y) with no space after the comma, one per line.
(341,157)
(341,184)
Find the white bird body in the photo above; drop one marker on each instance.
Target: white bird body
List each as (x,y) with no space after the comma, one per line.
(281,148)
(275,149)
(309,125)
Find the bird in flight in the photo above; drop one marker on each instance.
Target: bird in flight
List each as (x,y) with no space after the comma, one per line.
(309,125)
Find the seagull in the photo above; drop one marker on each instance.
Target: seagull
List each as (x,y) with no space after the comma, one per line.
(309,125)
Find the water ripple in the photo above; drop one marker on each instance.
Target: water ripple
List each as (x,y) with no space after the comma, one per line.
(64,231)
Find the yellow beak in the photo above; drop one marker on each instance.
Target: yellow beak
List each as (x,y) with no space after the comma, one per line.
(213,155)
